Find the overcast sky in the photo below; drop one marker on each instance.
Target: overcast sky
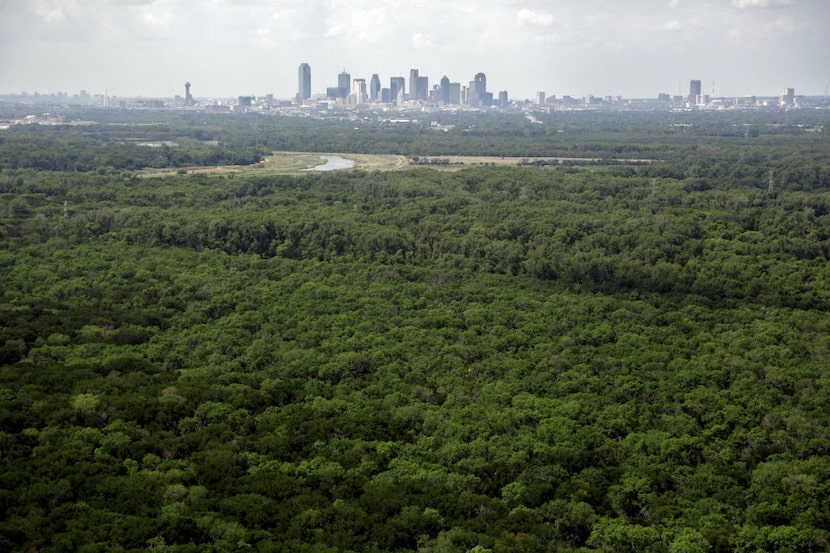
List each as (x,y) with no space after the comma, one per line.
(225,48)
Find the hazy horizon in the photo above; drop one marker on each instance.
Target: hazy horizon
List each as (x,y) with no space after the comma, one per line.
(635,49)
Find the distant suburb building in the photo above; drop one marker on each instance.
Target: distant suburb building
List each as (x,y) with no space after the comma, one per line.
(694,92)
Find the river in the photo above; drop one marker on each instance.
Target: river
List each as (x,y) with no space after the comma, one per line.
(333,163)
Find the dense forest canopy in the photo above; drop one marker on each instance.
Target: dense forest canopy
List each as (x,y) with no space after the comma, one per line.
(606,358)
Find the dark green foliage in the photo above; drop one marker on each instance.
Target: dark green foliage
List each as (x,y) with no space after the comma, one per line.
(502,359)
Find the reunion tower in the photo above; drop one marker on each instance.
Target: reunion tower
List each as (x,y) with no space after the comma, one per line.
(188,99)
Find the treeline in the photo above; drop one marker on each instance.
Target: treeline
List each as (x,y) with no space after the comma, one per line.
(48,149)
(211,139)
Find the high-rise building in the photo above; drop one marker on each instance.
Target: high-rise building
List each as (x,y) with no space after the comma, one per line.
(478,90)
(694,91)
(304,85)
(503,101)
(374,88)
(445,90)
(455,94)
(413,84)
(788,97)
(344,80)
(359,91)
(540,98)
(344,86)
(423,88)
(396,87)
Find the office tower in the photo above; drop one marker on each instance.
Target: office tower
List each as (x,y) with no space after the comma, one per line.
(344,86)
(481,84)
(304,78)
(445,90)
(359,91)
(478,90)
(374,88)
(788,97)
(396,87)
(694,92)
(385,96)
(540,98)
(423,88)
(455,94)
(344,80)
(503,101)
(413,84)
(472,97)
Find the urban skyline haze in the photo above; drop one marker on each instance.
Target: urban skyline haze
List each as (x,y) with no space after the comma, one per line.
(635,49)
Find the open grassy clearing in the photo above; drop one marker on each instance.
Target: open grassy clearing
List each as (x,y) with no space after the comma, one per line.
(292,163)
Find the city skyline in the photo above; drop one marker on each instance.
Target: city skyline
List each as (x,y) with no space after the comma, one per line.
(635,49)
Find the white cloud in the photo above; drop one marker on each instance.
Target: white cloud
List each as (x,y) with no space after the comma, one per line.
(50,12)
(421,40)
(742,4)
(335,30)
(530,17)
(131,2)
(368,26)
(782,25)
(522,45)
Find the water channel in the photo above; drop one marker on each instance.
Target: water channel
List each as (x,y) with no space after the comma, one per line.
(333,163)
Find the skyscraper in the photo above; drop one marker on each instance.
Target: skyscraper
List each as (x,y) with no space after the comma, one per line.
(304,78)
(359,91)
(413,84)
(445,90)
(396,87)
(694,92)
(344,83)
(455,93)
(478,90)
(374,87)
(423,88)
